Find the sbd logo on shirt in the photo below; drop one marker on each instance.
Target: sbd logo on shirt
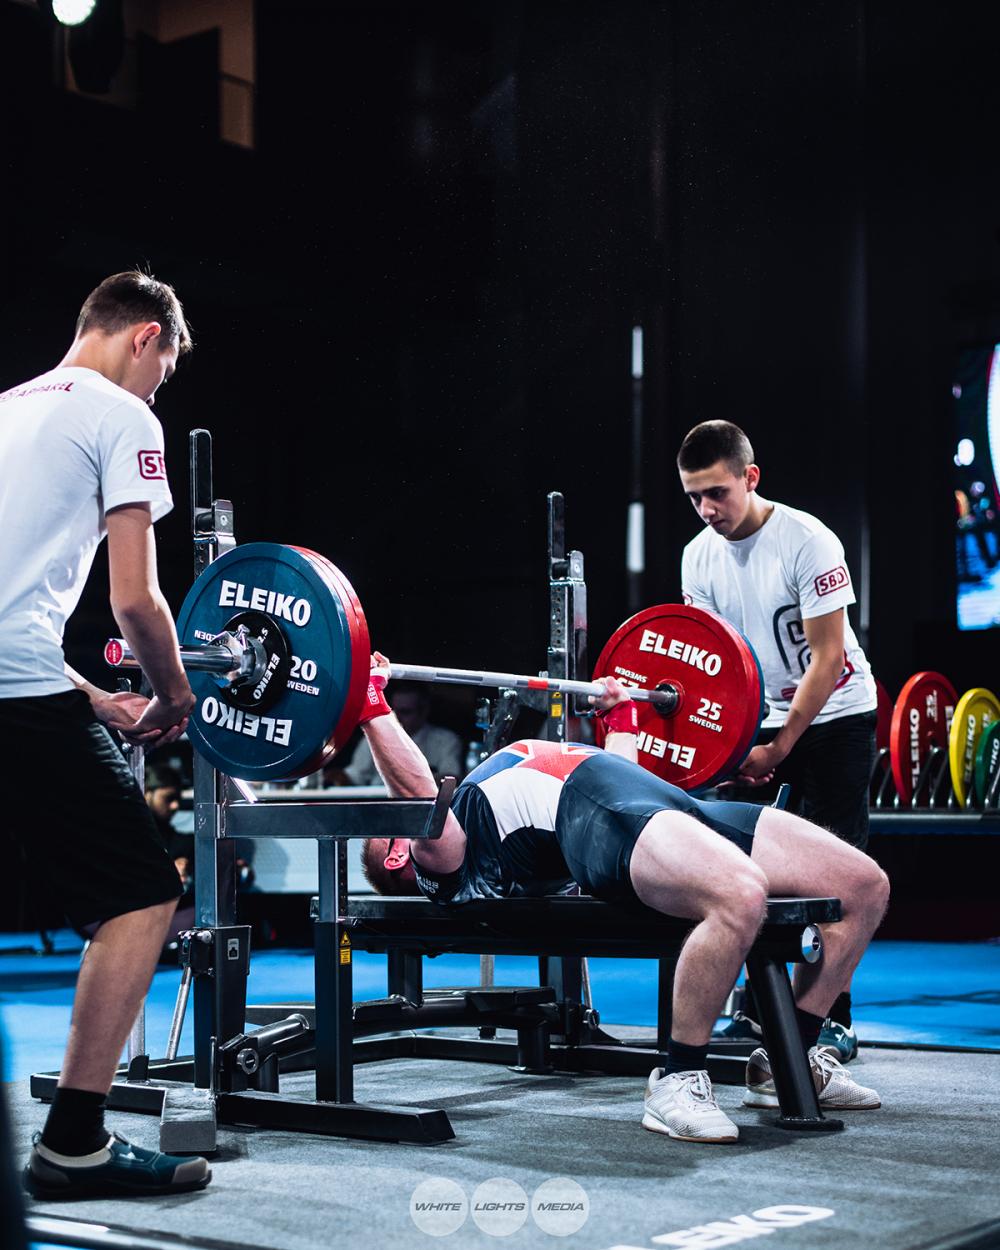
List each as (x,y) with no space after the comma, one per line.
(151,466)
(835,579)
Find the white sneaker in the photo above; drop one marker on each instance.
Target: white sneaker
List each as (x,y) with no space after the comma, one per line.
(682,1105)
(836,1089)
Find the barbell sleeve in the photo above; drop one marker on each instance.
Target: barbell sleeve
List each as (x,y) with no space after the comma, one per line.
(208,658)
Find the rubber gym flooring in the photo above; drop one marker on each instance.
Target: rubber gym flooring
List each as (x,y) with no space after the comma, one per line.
(921,1171)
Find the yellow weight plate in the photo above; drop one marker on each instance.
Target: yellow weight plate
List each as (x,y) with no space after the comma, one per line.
(976,709)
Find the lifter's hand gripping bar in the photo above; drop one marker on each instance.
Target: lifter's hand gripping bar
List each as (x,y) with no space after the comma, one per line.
(227,656)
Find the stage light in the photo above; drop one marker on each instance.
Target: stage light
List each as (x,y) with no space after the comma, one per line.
(72,12)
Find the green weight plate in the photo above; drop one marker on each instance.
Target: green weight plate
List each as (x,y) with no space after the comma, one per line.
(987,762)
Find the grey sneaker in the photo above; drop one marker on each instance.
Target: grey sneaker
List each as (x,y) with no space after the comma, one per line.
(682,1105)
(836,1089)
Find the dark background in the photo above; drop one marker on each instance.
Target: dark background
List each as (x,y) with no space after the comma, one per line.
(413,300)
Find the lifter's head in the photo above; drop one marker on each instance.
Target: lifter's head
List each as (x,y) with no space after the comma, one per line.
(132,330)
(720,478)
(388,867)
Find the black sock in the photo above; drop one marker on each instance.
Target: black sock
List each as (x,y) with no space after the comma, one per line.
(809,1027)
(75,1124)
(841,1010)
(681,1058)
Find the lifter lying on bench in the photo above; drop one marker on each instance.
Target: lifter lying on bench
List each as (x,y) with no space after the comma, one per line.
(538,816)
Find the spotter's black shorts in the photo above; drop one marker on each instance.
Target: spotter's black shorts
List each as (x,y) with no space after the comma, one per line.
(829,770)
(90,839)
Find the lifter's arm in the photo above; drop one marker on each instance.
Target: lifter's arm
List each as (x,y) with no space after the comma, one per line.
(144,617)
(616,742)
(407,775)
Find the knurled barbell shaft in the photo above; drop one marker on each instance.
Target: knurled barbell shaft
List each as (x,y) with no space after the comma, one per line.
(211,658)
(665,699)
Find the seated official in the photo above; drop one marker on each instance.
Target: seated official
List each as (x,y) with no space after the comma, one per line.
(442,748)
(537,816)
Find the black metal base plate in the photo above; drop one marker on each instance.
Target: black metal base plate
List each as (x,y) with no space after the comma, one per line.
(803,1124)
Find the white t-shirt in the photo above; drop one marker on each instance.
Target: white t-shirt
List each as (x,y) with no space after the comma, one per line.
(791,570)
(72,447)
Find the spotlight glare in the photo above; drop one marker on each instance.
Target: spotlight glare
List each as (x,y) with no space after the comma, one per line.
(72,12)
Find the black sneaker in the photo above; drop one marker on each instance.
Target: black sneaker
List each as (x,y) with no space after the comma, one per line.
(120,1169)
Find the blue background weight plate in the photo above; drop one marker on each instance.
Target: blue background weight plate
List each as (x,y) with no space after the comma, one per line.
(323,634)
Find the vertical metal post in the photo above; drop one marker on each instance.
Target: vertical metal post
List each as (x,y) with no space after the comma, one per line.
(405,975)
(334,978)
(567,653)
(635,540)
(214,854)
(138,1060)
(567,657)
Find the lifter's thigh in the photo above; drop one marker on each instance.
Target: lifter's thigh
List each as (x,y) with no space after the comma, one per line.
(798,857)
(683,868)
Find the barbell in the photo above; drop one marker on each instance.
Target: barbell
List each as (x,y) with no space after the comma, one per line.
(275,644)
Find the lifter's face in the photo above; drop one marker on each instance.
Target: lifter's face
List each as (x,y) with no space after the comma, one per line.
(723,498)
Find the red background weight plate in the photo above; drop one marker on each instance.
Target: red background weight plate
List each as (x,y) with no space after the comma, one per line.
(921,719)
(719,713)
(360,660)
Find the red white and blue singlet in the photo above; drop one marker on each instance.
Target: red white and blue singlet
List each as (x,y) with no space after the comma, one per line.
(540,817)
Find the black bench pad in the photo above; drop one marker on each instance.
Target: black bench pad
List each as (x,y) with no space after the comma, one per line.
(550,926)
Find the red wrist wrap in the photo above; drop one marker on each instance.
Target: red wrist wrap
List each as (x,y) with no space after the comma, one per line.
(623,718)
(374,704)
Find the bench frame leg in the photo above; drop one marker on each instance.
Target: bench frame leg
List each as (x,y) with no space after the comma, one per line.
(789,1064)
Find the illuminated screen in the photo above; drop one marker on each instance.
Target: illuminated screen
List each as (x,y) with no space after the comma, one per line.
(977,496)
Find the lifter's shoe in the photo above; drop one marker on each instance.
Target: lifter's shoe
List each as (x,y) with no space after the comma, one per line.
(840,1038)
(740,1029)
(119,1170)
(836,1089)
(682,1105)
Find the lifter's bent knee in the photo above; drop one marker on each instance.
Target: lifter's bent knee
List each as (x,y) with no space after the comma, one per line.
(874,891)
(743,905)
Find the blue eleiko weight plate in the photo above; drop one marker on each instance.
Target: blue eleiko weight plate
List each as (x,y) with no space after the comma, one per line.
(322,696)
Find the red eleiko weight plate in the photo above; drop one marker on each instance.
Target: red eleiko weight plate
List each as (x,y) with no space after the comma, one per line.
(921,719)
(360,658)
(714,669)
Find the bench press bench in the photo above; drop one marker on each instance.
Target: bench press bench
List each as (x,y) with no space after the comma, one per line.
(555,1029)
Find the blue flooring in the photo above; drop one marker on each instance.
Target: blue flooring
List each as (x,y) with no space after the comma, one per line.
(942,994)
